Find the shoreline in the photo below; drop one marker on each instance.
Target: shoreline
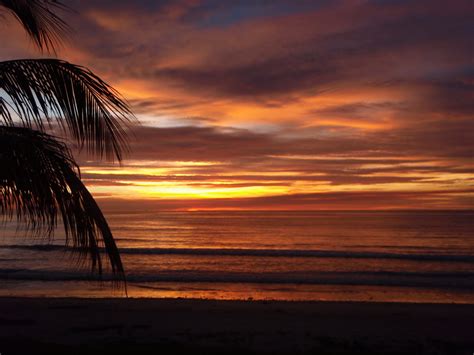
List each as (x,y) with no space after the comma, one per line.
(238,291)
(171,325)
(243,301)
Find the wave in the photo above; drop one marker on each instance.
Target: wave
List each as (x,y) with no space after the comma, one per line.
(290,253)
(463,280)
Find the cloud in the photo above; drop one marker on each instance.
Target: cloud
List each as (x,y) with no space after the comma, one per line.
(440,139)
(326,201)
(358,103)
(236,164)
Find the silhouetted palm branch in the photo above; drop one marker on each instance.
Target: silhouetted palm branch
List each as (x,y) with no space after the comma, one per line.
(83,104)
(39,181)
(39,20)
(4,112)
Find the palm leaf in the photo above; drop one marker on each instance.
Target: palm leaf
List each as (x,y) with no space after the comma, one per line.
(39,20)
(39,181)
(83,104)
(4,112)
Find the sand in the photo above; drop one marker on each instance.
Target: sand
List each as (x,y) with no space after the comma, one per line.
(184,326)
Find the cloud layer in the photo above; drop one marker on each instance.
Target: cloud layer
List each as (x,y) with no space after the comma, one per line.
(284,104)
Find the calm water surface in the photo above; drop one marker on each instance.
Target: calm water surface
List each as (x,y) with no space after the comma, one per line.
(382,256)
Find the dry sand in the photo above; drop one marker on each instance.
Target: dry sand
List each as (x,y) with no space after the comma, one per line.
(169,326)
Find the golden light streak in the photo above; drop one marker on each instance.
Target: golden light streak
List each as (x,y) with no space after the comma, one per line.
(160,190)
(197,180)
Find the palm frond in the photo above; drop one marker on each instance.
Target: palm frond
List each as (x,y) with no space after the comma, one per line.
(39,20)
(82,103)
(39,182)
(4,112)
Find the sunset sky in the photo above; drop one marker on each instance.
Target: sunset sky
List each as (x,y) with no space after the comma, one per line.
(282,104)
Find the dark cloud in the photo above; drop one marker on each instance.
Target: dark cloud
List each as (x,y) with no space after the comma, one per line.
(312,46)
(437,139)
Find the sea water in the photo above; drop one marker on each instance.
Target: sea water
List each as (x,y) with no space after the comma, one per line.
(407,256)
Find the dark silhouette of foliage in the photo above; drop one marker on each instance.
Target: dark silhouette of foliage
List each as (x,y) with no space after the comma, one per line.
(38,18)
(39,181)
(39,178)
(53,90)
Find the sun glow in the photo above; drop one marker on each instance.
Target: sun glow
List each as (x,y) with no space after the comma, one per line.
(182,180)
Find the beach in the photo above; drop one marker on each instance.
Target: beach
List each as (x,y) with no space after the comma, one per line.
(185,326)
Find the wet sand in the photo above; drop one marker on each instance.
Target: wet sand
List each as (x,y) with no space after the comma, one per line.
(184,326)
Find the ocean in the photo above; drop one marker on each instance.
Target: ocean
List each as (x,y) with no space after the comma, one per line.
(422,256)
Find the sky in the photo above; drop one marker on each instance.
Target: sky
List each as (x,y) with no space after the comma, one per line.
(281,105)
